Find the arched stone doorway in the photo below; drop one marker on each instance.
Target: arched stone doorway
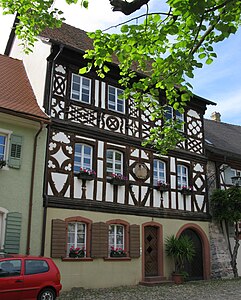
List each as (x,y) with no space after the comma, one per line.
(195,267)
(202,257)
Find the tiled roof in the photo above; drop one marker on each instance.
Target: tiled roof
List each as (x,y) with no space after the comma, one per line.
(16,94)
(222,137)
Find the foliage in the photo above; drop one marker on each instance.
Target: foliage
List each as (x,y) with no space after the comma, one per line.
(181,249)
(117,252)
(87,171)
(164,50)
(76,252)
(226,205)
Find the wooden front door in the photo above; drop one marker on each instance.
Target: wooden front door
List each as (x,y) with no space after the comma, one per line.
(151,251)
(195,267)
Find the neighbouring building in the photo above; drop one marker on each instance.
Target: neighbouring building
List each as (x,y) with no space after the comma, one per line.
(22,156)
(94,130)
(223,150)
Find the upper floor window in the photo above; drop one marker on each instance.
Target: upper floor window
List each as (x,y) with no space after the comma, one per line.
(82,157)
(114,162)
(115,99)
(80,88)
(159,171)
(171,114)
(76,239)
(182,176)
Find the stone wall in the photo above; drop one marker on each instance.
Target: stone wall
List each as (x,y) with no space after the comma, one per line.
(220,256)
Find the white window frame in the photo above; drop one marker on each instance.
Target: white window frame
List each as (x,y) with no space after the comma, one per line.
(115,245)
(113,170)
(76,244)
(79,92)
(116,99)
(7,133)
(174,115)
(181,175)
(3,217)
(158,170)
(82,155)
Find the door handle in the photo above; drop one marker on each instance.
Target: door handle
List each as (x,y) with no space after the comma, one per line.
(19,280)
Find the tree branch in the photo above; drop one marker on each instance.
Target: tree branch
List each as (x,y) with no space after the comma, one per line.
(127,8)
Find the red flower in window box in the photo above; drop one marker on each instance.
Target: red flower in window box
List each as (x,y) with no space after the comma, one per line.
(161,186)
(117,179)
(76,252)
(117,252)
(186,190)
(86,174)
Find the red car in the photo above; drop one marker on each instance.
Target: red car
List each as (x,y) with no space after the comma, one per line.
(24,277)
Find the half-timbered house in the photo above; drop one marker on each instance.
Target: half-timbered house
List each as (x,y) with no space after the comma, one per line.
(104,192)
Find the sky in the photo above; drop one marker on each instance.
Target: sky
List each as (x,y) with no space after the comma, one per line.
(219,82)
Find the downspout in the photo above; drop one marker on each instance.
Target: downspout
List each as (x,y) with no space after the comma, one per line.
(45,196)
(32,188)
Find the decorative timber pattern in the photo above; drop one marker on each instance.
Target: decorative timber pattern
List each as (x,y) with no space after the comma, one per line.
(133,122)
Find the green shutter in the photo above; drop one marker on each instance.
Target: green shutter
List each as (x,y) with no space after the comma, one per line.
(14,160)
(13,232)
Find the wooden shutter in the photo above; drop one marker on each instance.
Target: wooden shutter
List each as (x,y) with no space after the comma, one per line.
(58,238)
(134,241)
(14,160)
(13,232)
(99,240)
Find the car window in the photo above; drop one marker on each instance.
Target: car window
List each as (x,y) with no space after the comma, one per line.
(35,266)
(10,268)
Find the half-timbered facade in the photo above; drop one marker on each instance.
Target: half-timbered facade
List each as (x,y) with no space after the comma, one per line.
(104,192)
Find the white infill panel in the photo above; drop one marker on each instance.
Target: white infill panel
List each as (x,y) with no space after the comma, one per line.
(99,191)
(121,194)
(97,93)
(103,95)
(59,180)
(77,187)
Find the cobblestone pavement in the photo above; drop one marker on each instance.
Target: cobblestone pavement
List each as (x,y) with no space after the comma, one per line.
(201,290)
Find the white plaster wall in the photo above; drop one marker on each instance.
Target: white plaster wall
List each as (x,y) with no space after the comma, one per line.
(35,64)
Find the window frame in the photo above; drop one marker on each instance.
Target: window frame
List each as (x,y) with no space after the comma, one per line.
(156,179)
(175,115)
(3,216)
(7,134)
(116,99)
(114,171)
(83,145)
(88,224)
(126,240)
(181,175)
(81,88)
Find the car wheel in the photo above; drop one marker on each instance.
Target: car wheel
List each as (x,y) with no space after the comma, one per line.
(47,294)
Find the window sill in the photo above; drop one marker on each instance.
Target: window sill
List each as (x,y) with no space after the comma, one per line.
(77,259)
(117,258)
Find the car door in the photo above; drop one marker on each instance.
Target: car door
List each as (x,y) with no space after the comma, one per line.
(11,279)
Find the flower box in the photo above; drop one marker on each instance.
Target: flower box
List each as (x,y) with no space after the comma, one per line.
(186,190)
(76,252)
(86,174)
(117,179)
(2,163)
(161,186)
(118,252)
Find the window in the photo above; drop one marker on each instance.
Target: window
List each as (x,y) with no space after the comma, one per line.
(76,236)
(115,100)
(114,162)
(182,176)
(35,266)
(116,236)
(159,171)
(10,268)
(80,88)
(82,157)
(171,114)
(3,144)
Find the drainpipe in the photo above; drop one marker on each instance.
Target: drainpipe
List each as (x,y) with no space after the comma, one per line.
(45,196)
(32,188)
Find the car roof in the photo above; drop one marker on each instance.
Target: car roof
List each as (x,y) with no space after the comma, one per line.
(7,255)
